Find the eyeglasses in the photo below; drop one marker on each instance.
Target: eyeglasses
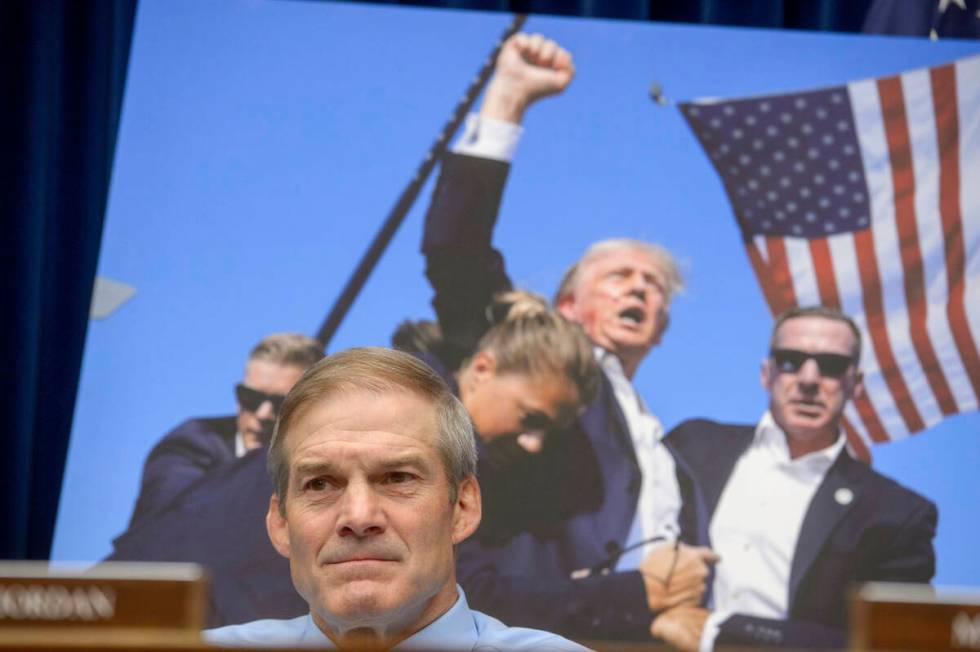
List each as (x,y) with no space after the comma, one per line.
(252,399)
(831,365)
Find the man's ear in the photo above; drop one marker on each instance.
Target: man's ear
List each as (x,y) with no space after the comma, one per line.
(468,509)
(566,307)
(857,390)
(276,526)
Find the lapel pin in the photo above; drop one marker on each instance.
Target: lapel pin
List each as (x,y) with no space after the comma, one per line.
(844,496)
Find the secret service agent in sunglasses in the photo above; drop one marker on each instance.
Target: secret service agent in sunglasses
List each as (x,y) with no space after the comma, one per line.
(252,399)
(831,365)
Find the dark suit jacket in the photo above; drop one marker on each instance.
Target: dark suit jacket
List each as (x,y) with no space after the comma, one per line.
(580,493)
(184,456)
(883,534)
(219,522)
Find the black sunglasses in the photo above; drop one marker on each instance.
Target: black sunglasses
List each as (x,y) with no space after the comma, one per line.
(252,399)
(831,365)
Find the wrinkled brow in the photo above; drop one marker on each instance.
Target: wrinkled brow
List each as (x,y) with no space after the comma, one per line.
(395,462)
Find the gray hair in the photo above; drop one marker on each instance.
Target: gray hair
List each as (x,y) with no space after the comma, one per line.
(825,312)
(288,349)
(669,271)
(377,370)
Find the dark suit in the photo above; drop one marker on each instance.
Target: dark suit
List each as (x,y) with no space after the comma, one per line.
(184,456)
(219,522)
(884,533)
(580,493)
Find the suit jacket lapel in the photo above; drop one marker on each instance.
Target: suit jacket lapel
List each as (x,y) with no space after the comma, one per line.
(840,490)
(614,413)
(606,429)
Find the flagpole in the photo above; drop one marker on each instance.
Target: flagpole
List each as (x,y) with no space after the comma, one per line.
(397,215)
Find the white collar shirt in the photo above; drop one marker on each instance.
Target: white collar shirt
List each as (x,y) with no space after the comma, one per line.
(659,504)
(757,522)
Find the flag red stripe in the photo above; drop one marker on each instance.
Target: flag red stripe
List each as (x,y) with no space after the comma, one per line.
(780,275)
(823,268)
(895,121)
(762,273)
(943,80)
(857,444)
(875,314)
(869,416)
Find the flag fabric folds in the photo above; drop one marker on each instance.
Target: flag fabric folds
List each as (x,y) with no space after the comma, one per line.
(866,197)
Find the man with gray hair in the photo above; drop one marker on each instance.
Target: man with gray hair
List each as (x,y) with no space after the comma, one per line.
(585,552)
(374,464)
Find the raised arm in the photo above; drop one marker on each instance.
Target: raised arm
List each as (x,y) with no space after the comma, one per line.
(462,266)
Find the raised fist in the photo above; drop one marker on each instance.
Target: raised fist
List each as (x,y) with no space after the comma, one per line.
(528,68)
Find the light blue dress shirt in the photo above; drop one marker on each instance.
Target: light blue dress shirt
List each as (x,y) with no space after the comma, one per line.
(460,628)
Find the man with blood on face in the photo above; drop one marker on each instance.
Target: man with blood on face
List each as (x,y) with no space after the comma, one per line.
(619,292)
(795,518)
(606,482)
(374,465)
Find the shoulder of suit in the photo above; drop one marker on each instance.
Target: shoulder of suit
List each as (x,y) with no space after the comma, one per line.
(198,431)
(882,485)
(704,428)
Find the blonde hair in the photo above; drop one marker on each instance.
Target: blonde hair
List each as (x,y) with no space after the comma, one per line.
(379,371)
(528,337)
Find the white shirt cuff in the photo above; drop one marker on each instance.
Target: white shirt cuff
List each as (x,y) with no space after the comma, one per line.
(489,138)
(711,628)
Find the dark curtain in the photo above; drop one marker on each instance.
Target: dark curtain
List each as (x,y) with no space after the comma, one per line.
(64,66)
(825,15)
(63,73)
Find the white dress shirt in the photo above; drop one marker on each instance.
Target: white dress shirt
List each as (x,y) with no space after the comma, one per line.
(756,525)
(660,498)
(460,628)
(660,501)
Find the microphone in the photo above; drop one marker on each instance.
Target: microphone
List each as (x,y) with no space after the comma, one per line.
(614,552)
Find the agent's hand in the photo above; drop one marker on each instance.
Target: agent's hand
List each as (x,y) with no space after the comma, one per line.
(676,575)
(680,627)
(529,67)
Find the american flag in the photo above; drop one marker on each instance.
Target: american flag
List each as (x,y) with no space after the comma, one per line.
(866,197)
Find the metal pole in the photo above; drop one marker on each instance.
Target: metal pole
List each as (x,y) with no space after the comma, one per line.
(408,195)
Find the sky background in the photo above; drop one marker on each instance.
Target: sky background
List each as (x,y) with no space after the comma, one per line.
(262,143)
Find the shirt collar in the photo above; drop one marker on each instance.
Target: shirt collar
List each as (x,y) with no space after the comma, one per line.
(240,449)
(453,630)
(614,372)
(769,436)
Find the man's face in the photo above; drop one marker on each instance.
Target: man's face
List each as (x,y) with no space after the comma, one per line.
(806,403)
(619,300)
(369,530)
(255,423)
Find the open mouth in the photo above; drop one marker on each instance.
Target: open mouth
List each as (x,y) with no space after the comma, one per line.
(633,316)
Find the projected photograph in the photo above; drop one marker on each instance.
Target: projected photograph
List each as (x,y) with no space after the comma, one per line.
(588,229)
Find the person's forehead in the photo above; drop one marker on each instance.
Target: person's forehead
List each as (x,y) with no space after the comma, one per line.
(396,419)
(275,377)
(816,334)
(623,256)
